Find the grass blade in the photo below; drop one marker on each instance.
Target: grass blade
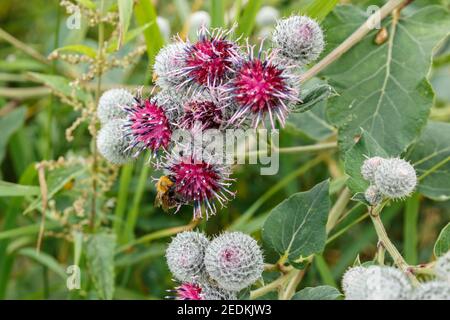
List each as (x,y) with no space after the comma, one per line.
(319,9)
(246,20)
(410,236)
(217,13)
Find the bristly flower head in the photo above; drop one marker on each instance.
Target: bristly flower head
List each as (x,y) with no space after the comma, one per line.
(112,142)
(167,62)
(208,62)
(442,267)
(262,87)
(185,255)
(234,260)
(373,195)
(199,182)
(299,38)
(201,291)
(432,290)
(148,126)
(376,283)
(112,105)
(187,291)
(387,283)
(203,109)
(354,283)
(369,167)
(395,178)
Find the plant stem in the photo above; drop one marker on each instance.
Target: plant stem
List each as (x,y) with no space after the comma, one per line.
(292,285)
(410,236)
(353,39)
(338,209)
(101,39)
(125,179)
(271,286)
(387,243)
(297,149)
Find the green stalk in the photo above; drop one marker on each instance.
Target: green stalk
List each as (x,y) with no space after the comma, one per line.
(410,235)
(324,271)
(128,232)
(124,185)
(101,39)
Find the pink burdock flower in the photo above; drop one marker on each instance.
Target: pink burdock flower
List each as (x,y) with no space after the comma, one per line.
(188,291)
(200,182)
(210,60)
(148,126)
(202,110)
(262,87)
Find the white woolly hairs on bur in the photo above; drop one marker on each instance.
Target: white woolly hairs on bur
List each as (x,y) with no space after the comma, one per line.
(112,103)
(212,292)
(299,38)
(185,255)
(354,283)
(432,290)
(234,260)
(369,167)
(112,142)
(395,178)
(373,195)
(442,267)
(376,283)
(167,61)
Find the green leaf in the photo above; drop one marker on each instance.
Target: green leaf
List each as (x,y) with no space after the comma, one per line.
(442,245)
(317,293)
(44,259)
(384,88)
(100,259)
(313,96)
(365,147)
(8,189)
(296,227)
(431,159)
(79,48)
(60,85)
(246,20)
(9,124)
(319,9)
(312,123)
(132,34)
(125,12)
(145,13)
(56,180)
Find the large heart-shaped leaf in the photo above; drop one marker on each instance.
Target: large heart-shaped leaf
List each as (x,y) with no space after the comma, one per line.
(296,227)
(384,88)
(442,245)
(431,159)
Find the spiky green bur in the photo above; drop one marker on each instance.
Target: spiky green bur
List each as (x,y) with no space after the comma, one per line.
(234,260)
(185,255)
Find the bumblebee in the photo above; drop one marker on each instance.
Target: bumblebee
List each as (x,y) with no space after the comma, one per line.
(165,193)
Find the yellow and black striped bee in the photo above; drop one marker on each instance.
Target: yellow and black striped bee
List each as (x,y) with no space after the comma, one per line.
(165,193)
